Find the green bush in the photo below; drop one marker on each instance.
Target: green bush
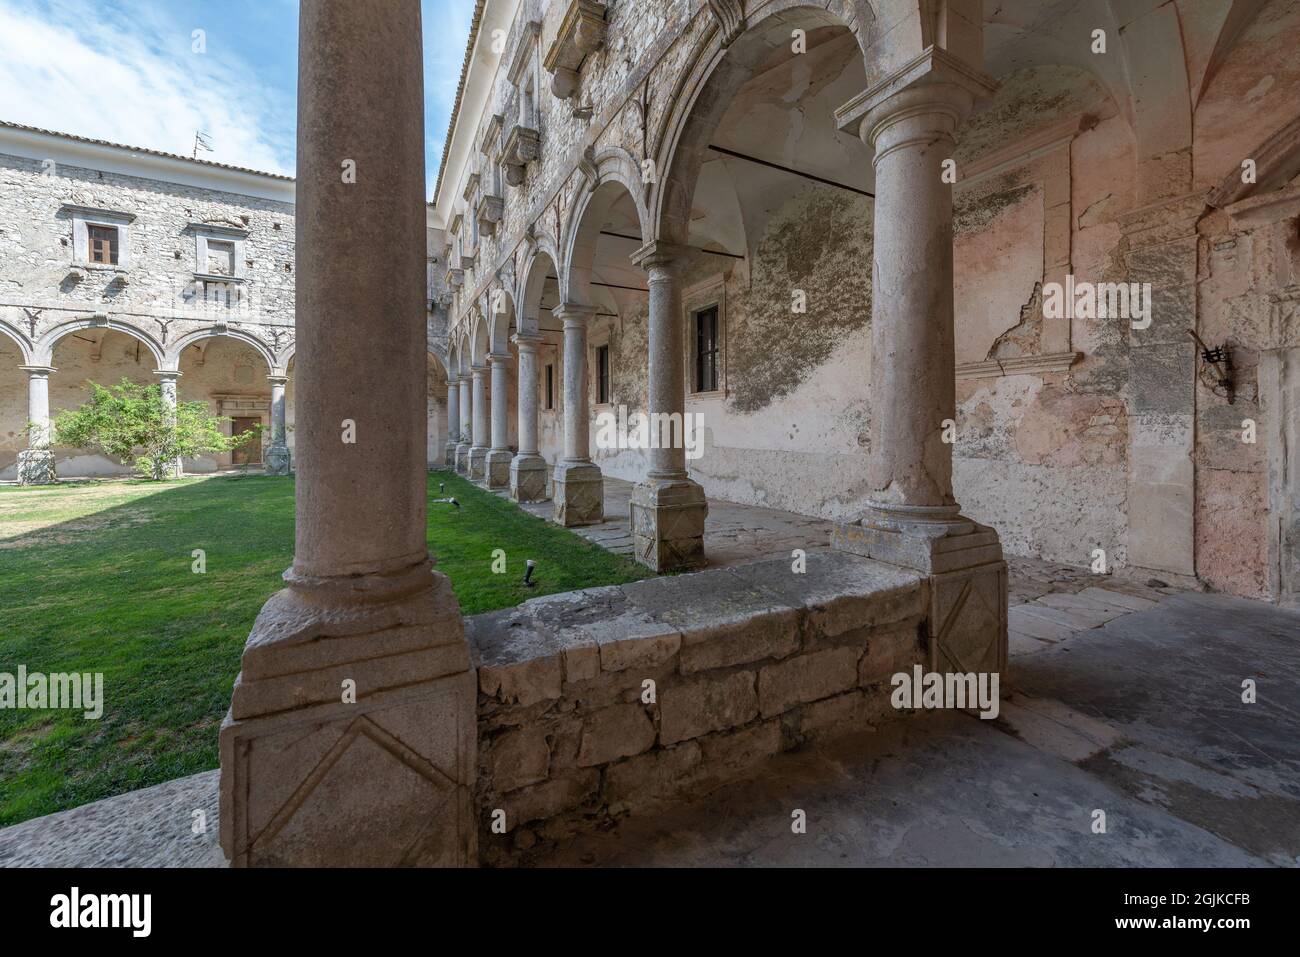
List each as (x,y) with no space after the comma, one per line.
(132,422)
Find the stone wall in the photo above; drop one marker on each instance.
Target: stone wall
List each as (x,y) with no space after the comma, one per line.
(599,703)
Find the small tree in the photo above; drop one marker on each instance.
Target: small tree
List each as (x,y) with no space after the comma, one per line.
(132,422)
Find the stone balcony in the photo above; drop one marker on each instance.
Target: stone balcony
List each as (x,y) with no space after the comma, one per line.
(523,145)
(582,31)
(489,212)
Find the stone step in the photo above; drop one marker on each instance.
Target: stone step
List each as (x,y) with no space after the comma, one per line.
(1021,644)
(1076,619)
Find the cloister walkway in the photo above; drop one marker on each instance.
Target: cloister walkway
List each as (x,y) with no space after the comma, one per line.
(733,534)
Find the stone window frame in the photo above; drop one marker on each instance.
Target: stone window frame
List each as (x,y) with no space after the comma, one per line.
(83,217)
(230,234)
(708,293)
(600,339)
(548,388)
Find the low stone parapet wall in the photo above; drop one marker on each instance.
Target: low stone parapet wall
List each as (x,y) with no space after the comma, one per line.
(596,703)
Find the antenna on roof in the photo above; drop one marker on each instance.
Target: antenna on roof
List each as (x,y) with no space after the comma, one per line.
(202,141)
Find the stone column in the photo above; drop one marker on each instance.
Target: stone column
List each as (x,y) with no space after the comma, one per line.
(453,425)
(275,457)
(667,508)
(351,739)
(36,462)
(497,466)
(528,468)
(465,434)
(169,380)
(479,414)
(579,488)
(912,518)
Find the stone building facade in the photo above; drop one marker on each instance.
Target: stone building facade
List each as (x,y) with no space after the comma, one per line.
(195,289)
(1110,147)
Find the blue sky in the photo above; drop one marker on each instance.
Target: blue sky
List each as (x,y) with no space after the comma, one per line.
(126,71)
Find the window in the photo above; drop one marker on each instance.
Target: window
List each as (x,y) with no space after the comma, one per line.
(102,244)
(706,349)
(602,374)
(549,396)
(221,258)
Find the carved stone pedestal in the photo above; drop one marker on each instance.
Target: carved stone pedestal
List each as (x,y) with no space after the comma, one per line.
(462,458)
(276,460)
(477,464)
(36,467)
(310,779)
(579,494)
(968,581)
(668,524)
(528,478)
(497,468)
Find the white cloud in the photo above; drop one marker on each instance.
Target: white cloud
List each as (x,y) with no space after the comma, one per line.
(129,75)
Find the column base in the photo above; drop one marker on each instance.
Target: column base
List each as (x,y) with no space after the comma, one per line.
(528,475)
(36,467)
(309,779)
(579,494)
(449,455)
(968,579)
(497,467)
(276,460)
(668,524)
(477,464)
(462,459)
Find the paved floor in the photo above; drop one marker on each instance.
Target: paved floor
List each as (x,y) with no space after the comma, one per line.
(733,534)
(1140,719)
(1127,700)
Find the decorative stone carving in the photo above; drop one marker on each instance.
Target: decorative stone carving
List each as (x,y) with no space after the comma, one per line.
(730,15)
(471,184)
(581,31)
(522,147)
(489,213)
(455,276)
(491,133)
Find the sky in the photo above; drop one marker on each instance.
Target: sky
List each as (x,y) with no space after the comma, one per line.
(128,71)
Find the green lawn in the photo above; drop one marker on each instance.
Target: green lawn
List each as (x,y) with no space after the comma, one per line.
(96,577)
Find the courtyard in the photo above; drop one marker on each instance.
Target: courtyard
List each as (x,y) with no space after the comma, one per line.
(101,576)
(586,434)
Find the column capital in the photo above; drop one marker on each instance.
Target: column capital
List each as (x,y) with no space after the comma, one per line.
(477,372)
(932,81)
(166,374)
(662,255)
(38,371)
(573,312)
(527,341)
(278,379)
(499,358)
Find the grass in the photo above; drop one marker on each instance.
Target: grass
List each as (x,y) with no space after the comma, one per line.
(96,577)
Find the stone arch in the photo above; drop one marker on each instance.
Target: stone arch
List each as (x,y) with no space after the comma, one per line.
(704,94)
(258,346)
(463,356)
(541,265)
(616,173)
(502,319)
(43,351)
(479,342)
(24,344)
